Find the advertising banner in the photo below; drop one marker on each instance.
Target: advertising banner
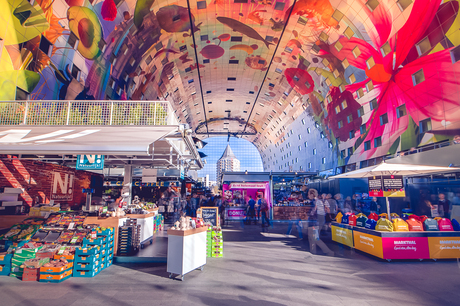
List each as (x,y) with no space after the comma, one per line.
(247,185)
(405,248)
(342,235)
(90,162)
(368,243)
(444,247)
(236,213)
(62,186)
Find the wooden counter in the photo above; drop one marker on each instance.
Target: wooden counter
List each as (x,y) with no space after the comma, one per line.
(187,232)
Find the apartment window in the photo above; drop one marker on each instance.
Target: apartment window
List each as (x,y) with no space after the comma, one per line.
(377,142)
(384,119)
(72,41)
(300,136)
(423,46)
(352,78)
(306,144)
(45,46)
(337,109)
(303,121)
(373,104)
(314,151)
(348,32)
(76,72)
(360,93)
(369,86)
(403,4)
(342,154)
(308,130)
(338,46)
(330,145)
(362,129)
(309,165)
(418,77)
(345,63)
(300,148)
(349,118)
(455,54)
(401,111)
(367,145)
(425,125)
(340,124)
(323,160)
(356,52)
(21,95)
(360,112)
(351,134)
(372,4)
(323,37)
(350,151)
(370,62)
(385,49)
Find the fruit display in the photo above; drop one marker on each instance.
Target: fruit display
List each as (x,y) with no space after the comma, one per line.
(79,237)
(53,220)
(65,237)
(57,263)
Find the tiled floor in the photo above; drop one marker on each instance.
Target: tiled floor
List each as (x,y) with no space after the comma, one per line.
(257,269)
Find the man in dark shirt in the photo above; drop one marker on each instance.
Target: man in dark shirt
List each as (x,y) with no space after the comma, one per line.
(251,210)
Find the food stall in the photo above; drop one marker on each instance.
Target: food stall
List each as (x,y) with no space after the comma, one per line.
(237,196)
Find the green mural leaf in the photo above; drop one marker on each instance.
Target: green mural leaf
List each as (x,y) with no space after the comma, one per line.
(410,137)
(394,146)
(142,9)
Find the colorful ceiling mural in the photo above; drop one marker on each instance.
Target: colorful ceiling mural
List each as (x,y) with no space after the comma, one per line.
(377,76)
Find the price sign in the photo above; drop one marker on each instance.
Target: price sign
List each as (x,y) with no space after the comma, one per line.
(74,240)
(210,215)
(61,250)
(71,225)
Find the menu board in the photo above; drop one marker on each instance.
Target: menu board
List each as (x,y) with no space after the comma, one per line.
(386,186)
(211,215)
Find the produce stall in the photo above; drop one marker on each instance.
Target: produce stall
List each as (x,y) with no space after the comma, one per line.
(55,249)
(301,211)
(399,245)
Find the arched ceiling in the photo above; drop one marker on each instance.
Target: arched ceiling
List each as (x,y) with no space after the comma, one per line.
(245,67)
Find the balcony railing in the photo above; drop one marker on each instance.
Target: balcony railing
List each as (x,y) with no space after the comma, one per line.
(86,113)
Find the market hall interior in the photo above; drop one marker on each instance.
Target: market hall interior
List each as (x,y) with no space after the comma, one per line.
(319,87)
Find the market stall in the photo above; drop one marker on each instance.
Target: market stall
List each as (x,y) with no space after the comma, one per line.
(237,195)
(399,245)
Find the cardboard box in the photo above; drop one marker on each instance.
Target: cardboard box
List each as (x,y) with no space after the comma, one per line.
(55,278)
(56,270)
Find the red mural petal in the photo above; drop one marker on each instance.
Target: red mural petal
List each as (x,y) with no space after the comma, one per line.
(381,19)
(300,80)
(423,12)
(109,10)
(365,50)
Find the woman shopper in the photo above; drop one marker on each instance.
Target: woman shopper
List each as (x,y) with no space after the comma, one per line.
(263,204)
(316,221)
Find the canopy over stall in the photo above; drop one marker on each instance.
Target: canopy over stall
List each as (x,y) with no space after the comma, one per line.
(384,169)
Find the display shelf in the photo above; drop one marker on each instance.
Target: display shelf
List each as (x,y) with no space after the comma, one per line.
(186,251)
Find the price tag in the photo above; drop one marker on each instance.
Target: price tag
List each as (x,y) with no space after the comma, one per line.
(104,210)
(61,250)
(74,240)
(93,234)
(71,225)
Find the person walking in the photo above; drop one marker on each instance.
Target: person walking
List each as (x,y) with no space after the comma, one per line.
(251,211)
(316,214)
(264,207)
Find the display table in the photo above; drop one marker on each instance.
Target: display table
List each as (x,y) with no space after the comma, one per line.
(186,251)
(291,212)
(7,221)
(399,245)
(144,220)
(235,213)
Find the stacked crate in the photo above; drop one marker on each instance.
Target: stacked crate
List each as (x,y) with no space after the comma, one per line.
(129,238)
(107,246)
(20,256)
(217,242)
(5,263)
(55,274)
(209,242)
(32,268)
(87,261)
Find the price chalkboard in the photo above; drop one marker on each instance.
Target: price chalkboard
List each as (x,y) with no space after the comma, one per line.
(211,215)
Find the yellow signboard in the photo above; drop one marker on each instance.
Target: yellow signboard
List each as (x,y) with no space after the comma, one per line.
(342,235)
(444,247)
(368,243)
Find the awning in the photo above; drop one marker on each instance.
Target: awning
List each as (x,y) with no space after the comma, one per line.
(113,140)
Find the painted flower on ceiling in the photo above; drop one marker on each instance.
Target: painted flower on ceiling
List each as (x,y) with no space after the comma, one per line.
(434,95)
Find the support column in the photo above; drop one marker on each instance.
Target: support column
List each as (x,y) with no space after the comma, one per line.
(127,190)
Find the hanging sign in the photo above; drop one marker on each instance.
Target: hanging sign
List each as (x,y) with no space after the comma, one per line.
(90,162)
(386,186)
(247,185)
